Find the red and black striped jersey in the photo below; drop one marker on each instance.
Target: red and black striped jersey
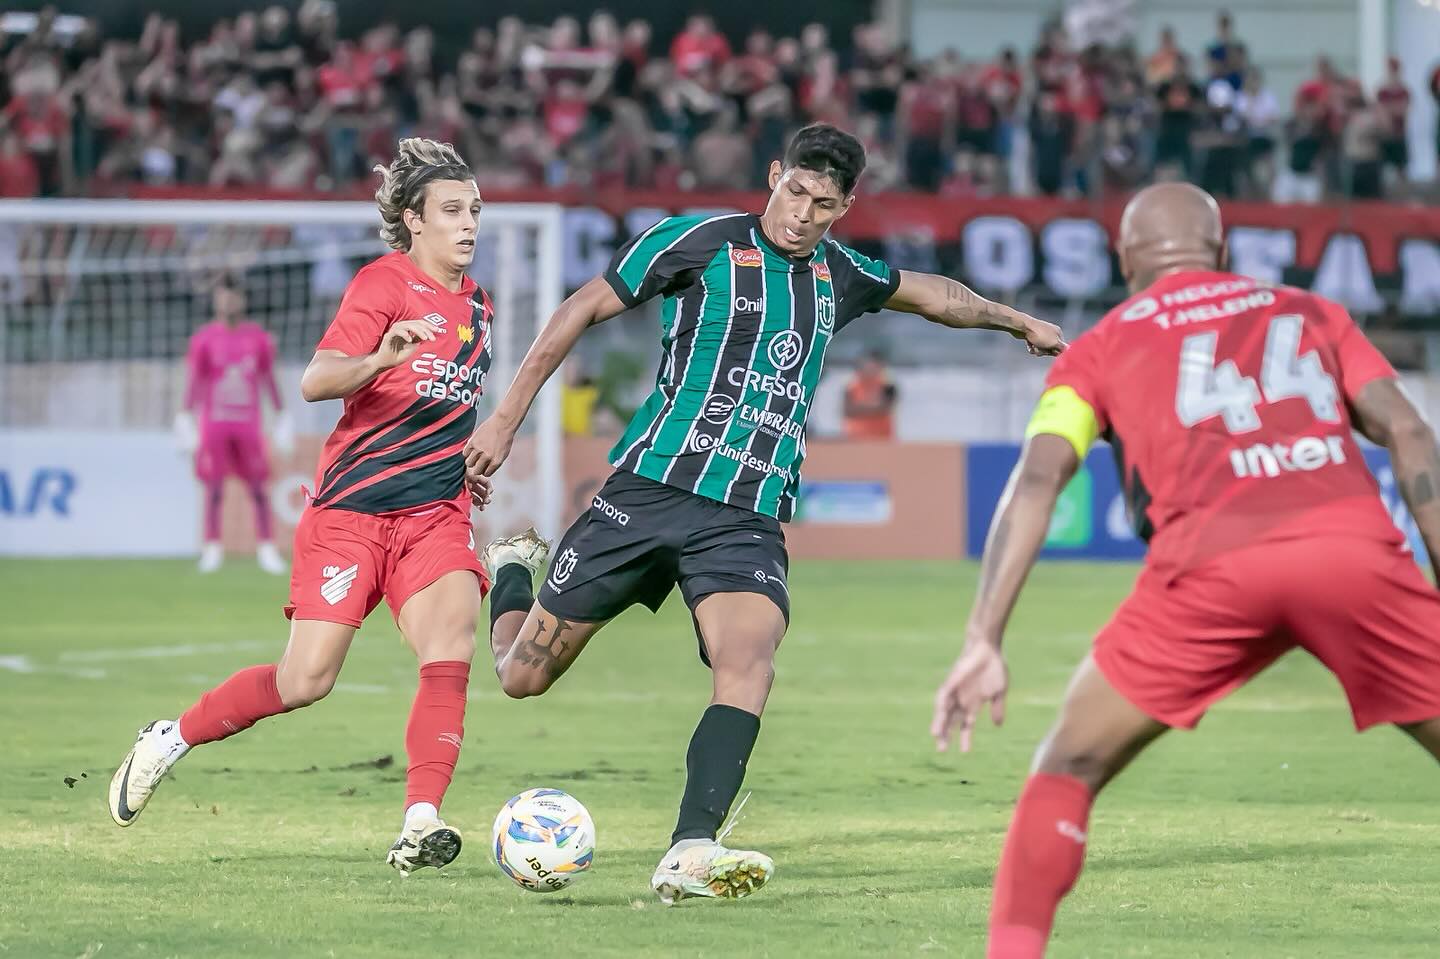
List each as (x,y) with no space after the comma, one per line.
(397,447)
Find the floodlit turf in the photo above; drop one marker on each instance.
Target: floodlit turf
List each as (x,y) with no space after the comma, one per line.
(1273,832)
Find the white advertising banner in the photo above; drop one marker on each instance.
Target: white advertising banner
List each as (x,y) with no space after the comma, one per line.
(96,493)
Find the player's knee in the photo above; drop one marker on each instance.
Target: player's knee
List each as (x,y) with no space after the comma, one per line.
(751,673)
(1091,768)
(302,689)
(456,646)
(523,683)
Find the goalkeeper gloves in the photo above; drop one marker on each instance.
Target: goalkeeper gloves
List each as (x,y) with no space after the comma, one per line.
(187,435)
(282,434)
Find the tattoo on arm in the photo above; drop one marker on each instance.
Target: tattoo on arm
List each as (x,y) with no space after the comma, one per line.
(1422,489)
(965,307)
(542,652)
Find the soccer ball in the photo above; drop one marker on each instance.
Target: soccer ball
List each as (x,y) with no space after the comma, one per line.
(543,839)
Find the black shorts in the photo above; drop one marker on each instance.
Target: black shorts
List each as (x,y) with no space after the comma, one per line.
(640,539)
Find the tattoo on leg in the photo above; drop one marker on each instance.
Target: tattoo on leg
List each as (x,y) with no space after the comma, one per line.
(544,653)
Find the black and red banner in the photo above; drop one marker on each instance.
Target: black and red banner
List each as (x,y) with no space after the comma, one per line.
(1373,257)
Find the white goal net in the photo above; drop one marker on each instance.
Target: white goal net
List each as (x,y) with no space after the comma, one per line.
(98,299)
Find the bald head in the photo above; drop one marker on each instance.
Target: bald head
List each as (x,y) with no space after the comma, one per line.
(1166,228)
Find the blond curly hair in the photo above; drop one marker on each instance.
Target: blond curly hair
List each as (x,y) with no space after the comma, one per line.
(417,162)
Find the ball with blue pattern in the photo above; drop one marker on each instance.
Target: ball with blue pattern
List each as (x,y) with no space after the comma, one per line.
(543,839)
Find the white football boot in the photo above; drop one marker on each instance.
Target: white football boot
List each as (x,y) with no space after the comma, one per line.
(156,750)
(270,560)
(529,549)
(211,557)
(703,868)
(425,841)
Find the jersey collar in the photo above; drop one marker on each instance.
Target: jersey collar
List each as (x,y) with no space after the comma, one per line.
(796,262)
(467,285)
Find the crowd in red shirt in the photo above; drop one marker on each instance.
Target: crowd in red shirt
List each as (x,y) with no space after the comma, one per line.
(282,102)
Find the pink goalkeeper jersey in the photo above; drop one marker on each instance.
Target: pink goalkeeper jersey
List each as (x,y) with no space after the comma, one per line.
(228,365)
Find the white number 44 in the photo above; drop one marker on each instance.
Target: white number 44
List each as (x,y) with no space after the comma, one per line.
(1207,389)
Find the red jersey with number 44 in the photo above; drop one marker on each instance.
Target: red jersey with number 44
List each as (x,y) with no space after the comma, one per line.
(397,447)
(1226,401)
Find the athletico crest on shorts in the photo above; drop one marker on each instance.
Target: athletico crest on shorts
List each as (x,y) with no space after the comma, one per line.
(337,582)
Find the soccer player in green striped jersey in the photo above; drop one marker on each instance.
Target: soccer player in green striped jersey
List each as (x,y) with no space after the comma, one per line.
(710,465)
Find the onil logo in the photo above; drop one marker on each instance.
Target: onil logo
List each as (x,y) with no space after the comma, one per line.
(749,304)
(785,349)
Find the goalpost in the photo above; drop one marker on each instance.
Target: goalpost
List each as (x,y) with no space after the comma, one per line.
(99,297)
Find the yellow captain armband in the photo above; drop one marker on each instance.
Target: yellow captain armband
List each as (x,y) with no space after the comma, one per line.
(1061,412)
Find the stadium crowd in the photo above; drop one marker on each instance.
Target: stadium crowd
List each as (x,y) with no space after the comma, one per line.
(275,102)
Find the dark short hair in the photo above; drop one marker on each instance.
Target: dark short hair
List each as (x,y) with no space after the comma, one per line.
(231,281)
(830,151)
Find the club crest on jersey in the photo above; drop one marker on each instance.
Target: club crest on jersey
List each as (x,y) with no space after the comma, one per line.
(784,351)
(746,257)
(419,287)
(466,333)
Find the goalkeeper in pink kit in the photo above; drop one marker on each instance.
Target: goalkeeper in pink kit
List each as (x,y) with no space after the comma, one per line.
(228,362)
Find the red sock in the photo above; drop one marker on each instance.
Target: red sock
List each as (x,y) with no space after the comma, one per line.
(437,726)
(1044,851)
(234,706)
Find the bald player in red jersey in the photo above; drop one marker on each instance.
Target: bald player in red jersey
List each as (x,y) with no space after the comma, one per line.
(1230,405)
(389,517)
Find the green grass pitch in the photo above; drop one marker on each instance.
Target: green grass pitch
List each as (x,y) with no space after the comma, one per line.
(1274,831)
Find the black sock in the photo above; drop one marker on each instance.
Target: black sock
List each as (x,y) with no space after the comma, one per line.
(715,767)
(513,590)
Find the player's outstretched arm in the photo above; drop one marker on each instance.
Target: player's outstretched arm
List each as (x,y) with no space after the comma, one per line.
(1016,535)
(593,303)
(1388,418)
(950,303)
(333,375)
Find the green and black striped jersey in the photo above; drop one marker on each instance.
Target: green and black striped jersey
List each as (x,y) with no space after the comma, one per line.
(744,330)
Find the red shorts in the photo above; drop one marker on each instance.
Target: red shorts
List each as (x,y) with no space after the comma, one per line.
(344,562)
(1361,607)
(231,449)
